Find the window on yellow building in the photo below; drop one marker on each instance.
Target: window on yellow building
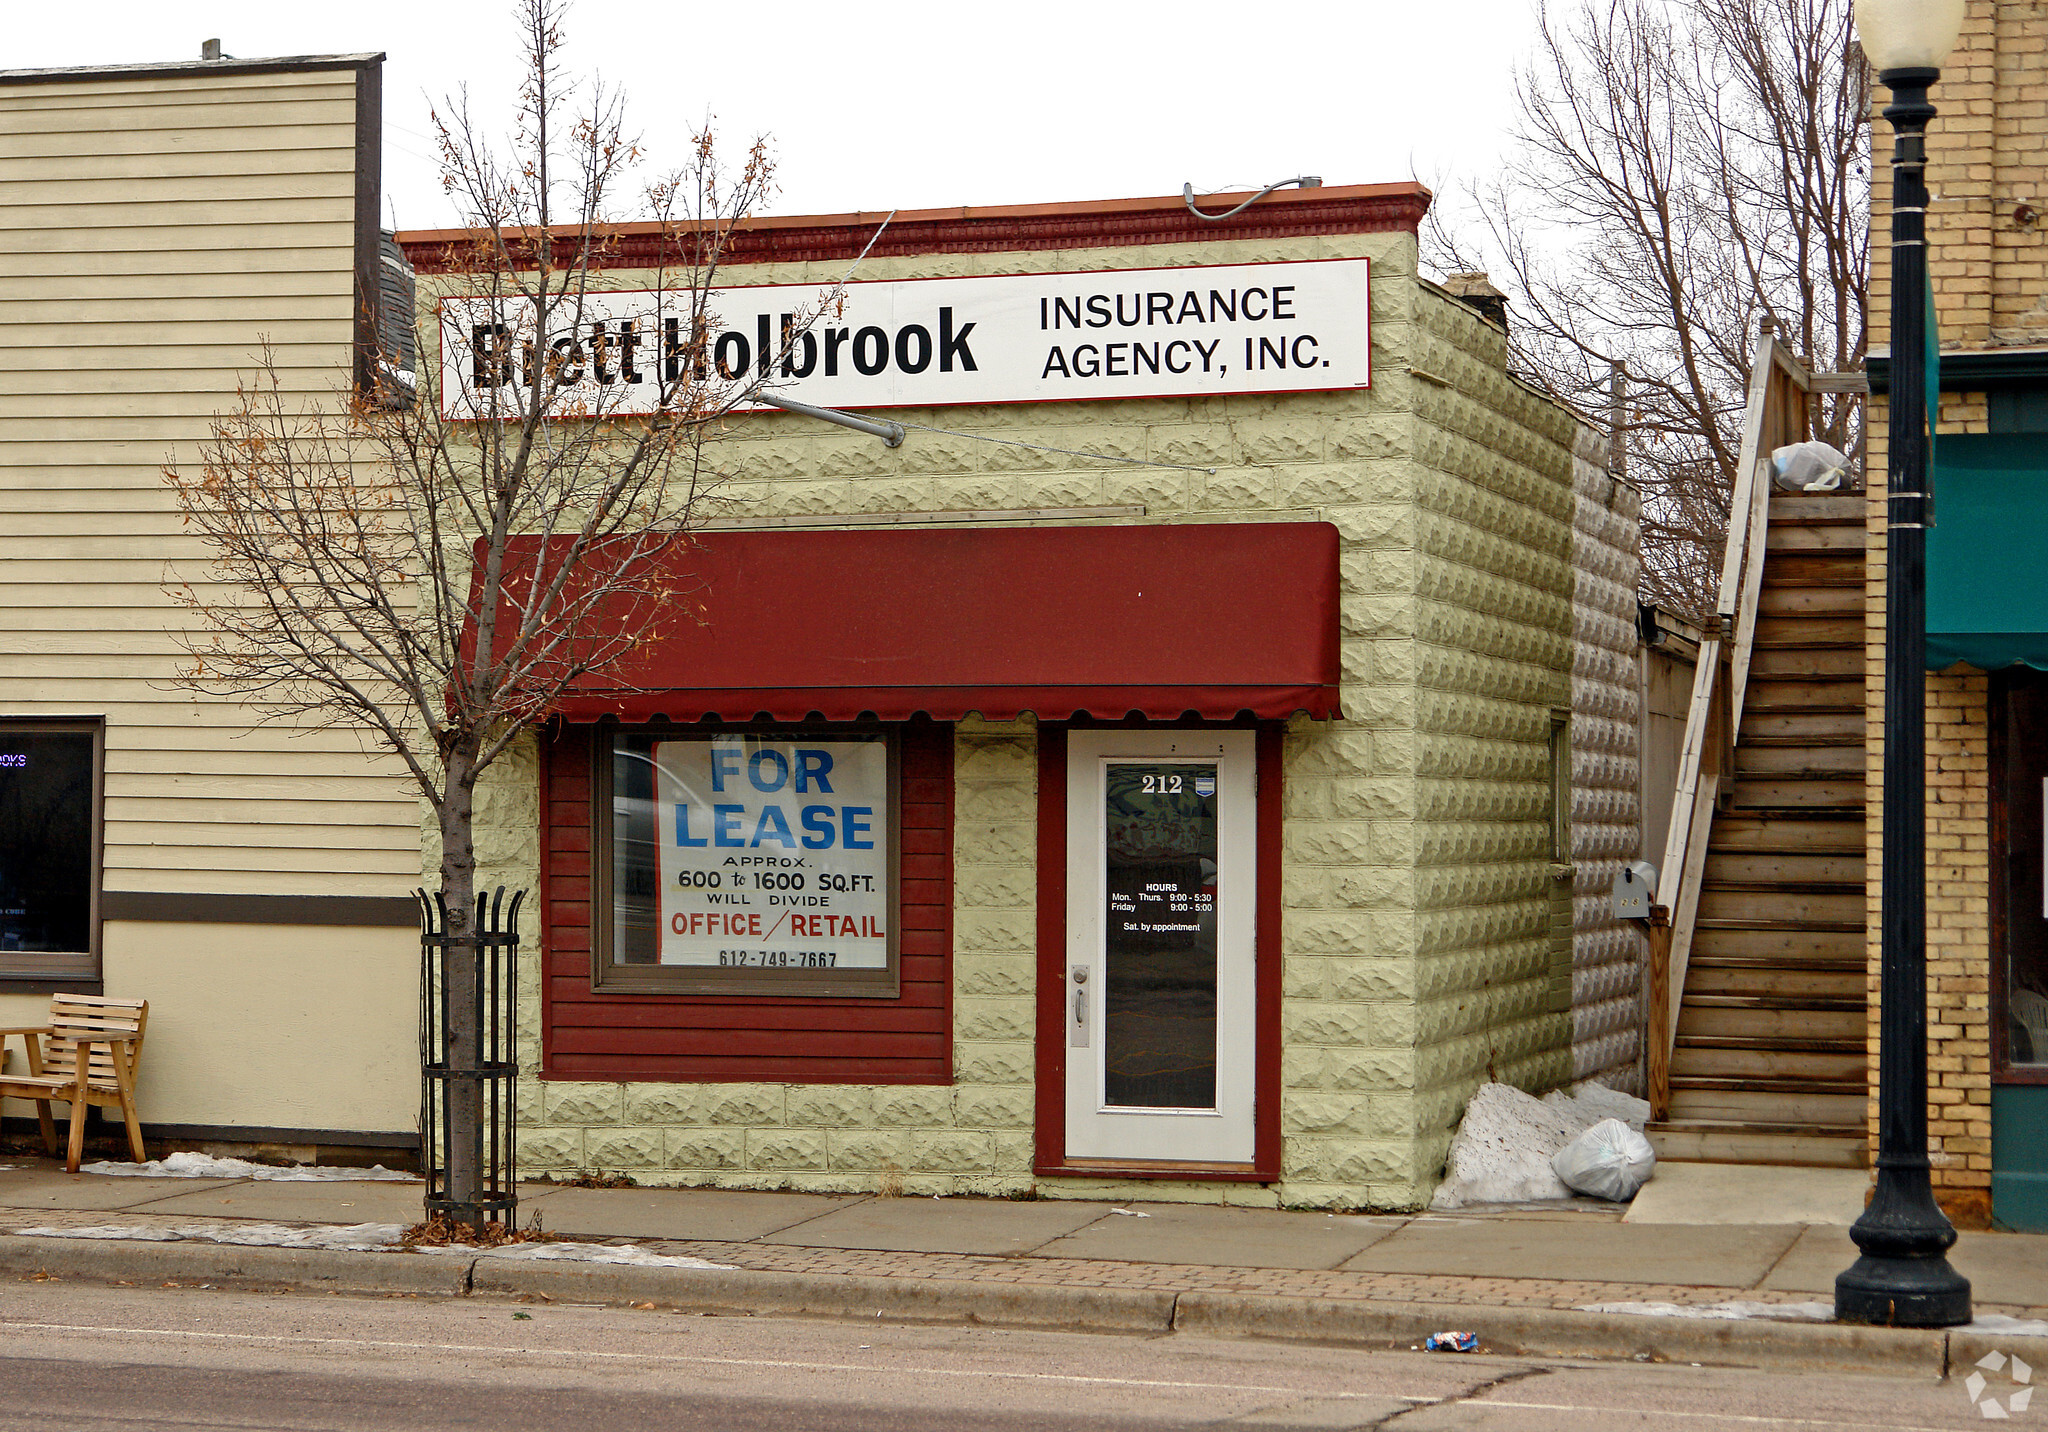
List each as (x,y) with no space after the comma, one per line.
(49,850)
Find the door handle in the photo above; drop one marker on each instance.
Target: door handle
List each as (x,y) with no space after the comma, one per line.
(1077,1027)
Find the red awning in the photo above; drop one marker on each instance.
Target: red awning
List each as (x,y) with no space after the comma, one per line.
(1213,619)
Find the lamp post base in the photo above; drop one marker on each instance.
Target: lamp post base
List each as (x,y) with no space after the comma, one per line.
(1902,1293)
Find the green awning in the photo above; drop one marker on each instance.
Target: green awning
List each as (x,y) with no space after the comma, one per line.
(1987,553)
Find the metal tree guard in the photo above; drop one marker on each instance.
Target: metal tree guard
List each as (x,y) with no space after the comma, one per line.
(448,1078)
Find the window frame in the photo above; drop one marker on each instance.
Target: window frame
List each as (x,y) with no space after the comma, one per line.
(2000,692)
(608,976)
(1560,761)
(77,971)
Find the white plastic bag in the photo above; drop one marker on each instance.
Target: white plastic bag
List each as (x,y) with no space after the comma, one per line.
(1609,1160)
(1809,467)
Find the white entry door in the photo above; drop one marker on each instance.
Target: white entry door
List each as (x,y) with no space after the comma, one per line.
(1161,867)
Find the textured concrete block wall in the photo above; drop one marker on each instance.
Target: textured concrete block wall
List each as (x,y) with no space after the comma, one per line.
(1422,954)
(1419,957)
(1494,662)
(1606,816)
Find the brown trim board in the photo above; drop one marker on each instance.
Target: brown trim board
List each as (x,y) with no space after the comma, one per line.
(400,1140)
(369,198)
(184,69)
(184,908)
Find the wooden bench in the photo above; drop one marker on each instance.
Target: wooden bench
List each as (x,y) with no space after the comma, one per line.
(86,1054)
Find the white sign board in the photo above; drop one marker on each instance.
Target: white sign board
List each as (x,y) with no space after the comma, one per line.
(774,854)
(1011,338)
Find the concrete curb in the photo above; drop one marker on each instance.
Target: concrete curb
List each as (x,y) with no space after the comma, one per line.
(1561,1332)
(737,1290)
(1524,1331)
(118,1260)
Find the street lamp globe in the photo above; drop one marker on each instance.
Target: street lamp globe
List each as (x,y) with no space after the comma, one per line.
(1908,34)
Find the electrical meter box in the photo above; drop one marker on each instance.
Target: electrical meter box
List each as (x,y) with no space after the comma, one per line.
(1634,888)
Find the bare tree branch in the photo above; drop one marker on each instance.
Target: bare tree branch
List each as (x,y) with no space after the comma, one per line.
(441,572)
(1684,170)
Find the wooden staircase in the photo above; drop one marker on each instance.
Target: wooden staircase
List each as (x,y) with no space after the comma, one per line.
(1769,1065)
(1757,961)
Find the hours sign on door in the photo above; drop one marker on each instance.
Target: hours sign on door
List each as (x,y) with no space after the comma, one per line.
(774,853)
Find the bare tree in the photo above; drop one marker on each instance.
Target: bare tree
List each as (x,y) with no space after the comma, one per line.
(438,572)
(1683,171)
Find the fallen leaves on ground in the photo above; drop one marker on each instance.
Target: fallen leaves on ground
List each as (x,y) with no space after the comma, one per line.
(440,1232)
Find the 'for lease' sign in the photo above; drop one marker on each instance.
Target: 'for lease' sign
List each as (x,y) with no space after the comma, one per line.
(1012,338)
(774,853)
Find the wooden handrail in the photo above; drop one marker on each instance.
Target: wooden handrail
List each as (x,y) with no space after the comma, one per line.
(1706,763)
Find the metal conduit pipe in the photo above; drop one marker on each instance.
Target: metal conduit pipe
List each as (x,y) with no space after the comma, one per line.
(890,433)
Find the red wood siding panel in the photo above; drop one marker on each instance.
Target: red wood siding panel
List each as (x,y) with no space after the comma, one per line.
(754,1039)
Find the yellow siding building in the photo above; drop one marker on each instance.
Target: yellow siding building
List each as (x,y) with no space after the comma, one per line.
(162,226)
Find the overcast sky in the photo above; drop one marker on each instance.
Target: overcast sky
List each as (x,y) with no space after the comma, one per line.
(901,103)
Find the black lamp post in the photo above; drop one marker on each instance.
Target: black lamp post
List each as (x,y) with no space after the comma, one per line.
(1903,1277)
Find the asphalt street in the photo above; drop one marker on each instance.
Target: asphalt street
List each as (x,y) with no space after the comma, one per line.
(86,1357)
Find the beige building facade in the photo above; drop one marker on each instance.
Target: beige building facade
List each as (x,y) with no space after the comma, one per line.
(162,225)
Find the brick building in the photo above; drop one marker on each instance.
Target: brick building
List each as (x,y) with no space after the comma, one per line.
(1381,624)
(1987,617)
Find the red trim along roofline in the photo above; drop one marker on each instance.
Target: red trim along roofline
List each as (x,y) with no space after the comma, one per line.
(1090,223)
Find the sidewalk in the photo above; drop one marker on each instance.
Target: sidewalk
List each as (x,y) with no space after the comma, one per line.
(1524,1277)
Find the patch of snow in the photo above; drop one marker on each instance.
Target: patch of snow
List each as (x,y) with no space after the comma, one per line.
(1503,1149)
(354,1236)
(2010,1326)
(368,1237)
(598,1253)
(1800,1312)
(194,1165)
(1738,1309)
(1130,1213)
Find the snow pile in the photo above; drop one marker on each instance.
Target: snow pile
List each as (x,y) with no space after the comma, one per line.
(189,1165)
(1594,1102)
(357,1237)
(598,1253)
(1503,1149)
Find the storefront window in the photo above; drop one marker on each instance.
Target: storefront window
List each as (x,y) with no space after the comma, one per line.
(49,850)
(747,862)
(2020,946)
